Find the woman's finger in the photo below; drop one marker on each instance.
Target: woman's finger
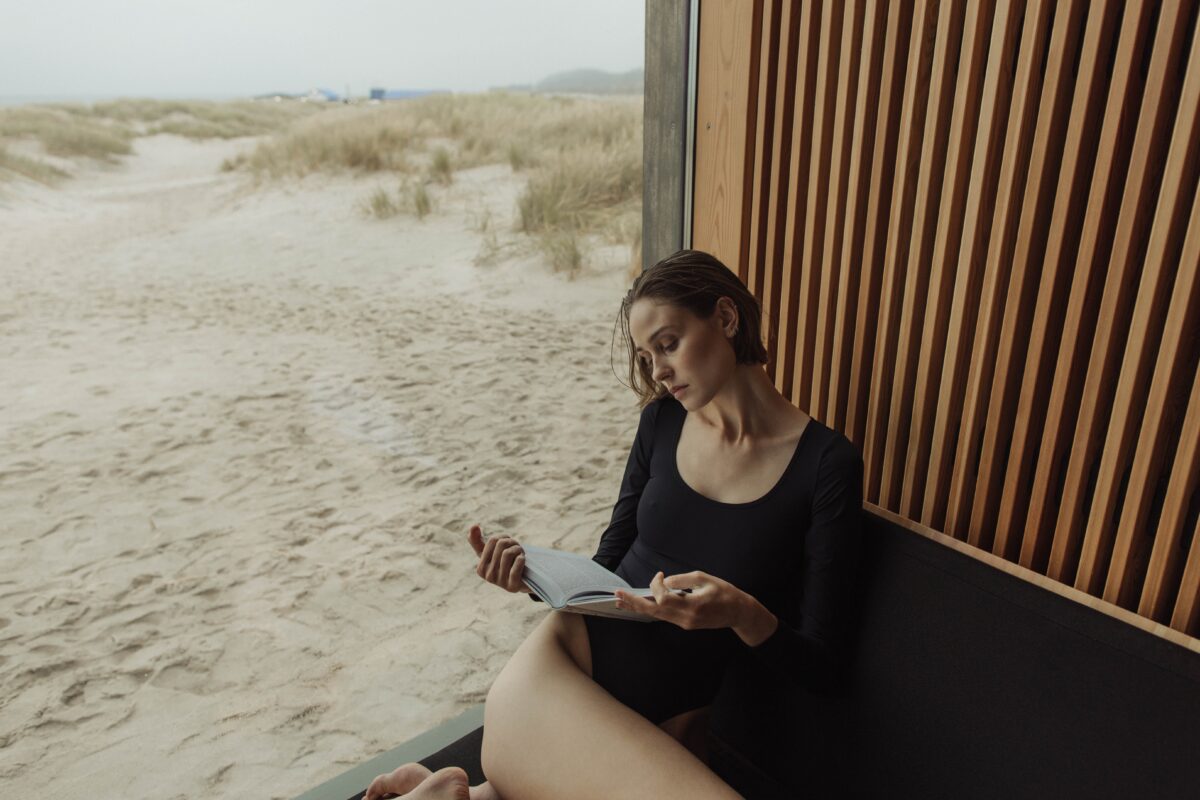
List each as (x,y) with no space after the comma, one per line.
(504,571)
(496,557)
(516,575)
(633,602)
(486,556)
(659,587)
(475,537)
(686,580)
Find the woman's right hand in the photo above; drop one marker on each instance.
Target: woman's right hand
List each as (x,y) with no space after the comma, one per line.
(501,560)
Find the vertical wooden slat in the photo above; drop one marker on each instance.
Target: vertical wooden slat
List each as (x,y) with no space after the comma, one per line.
(785,94)
(875,235)
(932,343)
(1019,142)
(811,273)
(1166,559)
(748,153)
(1173,372)
(904,189)
(1056,266)
(951,214)
(1133,225)
(1078,323)
(784,358)
(920,250)
(1158,274)
(1187,609)
(852,269)
(724,120)
(835,205)
(760,201)
(1031,239)
(971,256)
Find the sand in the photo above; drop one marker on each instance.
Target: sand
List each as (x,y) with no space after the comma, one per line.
(243,432)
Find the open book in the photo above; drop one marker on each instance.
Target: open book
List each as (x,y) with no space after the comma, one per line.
(571,582)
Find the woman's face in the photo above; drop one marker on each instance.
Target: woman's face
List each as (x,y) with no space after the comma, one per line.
(693,356)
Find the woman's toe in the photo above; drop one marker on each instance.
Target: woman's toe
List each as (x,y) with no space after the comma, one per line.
(449,783)
(408,777)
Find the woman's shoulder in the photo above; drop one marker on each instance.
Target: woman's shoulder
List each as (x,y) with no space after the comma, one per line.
(833,449)
(662,407)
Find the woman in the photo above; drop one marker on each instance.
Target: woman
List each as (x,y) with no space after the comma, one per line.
(730,491)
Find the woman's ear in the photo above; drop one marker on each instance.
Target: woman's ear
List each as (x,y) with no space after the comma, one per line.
(728,316)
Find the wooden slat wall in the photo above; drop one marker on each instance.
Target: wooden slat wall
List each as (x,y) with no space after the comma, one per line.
(974,228)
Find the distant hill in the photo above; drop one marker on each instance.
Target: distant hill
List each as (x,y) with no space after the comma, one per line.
(593,81)
(585,81)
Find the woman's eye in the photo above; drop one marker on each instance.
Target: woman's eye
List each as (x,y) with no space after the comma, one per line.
(668,348)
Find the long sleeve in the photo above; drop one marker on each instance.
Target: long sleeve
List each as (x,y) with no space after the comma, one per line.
(810,645)
(622,528)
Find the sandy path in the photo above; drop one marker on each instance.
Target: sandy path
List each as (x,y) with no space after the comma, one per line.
(242,434)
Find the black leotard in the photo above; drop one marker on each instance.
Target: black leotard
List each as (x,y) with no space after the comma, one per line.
(795,549)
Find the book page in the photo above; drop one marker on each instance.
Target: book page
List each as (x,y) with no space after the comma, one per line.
(558,575)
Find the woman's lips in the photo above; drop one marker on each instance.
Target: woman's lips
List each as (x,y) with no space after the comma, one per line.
(678,390)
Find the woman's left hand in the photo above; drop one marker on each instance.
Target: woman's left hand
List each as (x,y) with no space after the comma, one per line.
(712,603)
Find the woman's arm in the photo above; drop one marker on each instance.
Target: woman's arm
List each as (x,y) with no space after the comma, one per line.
(812,650)
(622,528)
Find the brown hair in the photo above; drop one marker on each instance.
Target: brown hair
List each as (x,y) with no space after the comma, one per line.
(693,280)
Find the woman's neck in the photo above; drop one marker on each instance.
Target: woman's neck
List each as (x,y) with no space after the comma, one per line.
(747,408)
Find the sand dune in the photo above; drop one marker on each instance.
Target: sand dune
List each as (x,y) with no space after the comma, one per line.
(242,434)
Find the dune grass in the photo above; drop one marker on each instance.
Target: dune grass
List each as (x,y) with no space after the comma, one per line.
(40,171)
(204,119)
(583,157)
(63,132)
(422,203)
(105,131)
(440,169)
(380,204)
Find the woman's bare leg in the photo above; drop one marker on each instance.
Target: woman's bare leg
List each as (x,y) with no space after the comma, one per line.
(551,732)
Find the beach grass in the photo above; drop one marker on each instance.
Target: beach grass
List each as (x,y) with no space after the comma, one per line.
(40,171)
(62,132)
(562,250)
(422,203)
(577,190)
(441,169)
(197,119)
(380,204)
(105,131)
(582,156)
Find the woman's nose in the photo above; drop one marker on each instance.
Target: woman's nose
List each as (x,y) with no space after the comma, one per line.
(659,372)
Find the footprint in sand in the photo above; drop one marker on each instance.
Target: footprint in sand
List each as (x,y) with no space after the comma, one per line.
(184,676)
(73,693)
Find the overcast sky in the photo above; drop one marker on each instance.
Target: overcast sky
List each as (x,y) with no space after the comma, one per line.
(182,48)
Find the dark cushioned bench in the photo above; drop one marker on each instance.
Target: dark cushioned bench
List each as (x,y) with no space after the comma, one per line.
(968,681)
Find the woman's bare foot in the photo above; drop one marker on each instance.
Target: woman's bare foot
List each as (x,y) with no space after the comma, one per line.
(399,781)
(449,783)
